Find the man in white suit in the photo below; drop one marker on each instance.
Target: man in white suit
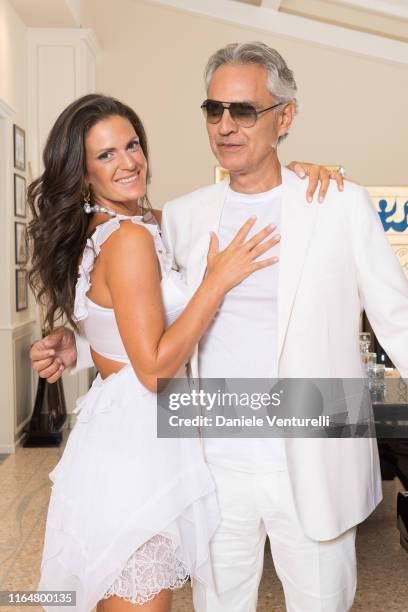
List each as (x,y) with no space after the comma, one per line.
(299,318)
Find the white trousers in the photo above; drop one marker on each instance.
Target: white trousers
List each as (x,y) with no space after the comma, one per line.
(316,576)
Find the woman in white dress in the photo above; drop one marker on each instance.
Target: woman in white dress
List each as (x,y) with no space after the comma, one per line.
(130,515)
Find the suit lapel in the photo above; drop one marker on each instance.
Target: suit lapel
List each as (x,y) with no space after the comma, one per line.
(298,219)
(205,218)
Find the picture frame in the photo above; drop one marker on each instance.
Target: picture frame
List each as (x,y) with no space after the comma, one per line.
(20,202)
(220,174)
(21,290)
(391,205)
(20,244)
(19,148)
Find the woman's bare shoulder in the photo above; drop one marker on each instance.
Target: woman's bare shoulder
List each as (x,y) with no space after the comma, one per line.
(130,243)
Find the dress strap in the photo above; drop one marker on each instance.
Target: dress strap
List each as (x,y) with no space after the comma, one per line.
(105,230)
(93,248)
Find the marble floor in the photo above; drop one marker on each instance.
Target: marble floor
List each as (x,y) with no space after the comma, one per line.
(25,489)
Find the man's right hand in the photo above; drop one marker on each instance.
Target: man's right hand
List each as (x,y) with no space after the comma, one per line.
(53,354)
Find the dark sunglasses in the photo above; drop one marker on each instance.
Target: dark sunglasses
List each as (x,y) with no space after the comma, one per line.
(243,113)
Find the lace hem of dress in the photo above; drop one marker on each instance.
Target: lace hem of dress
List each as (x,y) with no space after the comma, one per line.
(152,567)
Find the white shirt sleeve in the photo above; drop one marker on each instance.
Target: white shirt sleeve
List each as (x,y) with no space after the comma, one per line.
(382,283)
(84,359)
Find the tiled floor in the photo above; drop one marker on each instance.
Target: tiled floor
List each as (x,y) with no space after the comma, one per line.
(25,489)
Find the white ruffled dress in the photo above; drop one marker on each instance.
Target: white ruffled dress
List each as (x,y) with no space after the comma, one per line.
(130,514)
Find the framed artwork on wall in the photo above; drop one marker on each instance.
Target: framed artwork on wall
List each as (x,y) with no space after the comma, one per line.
(220,174)
(21,253)
(19,196)
(21,290)
(391,204)
(19,148)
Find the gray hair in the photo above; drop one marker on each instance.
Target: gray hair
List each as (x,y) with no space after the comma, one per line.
(280,79)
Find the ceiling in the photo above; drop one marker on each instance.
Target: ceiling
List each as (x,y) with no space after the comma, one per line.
(49,13)
(388,18)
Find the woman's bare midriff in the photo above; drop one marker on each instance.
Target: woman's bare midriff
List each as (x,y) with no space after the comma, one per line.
(106,366)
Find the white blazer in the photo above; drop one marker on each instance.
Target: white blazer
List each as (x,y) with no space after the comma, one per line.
(334,261)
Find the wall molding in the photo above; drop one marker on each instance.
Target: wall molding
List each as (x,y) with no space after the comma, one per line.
(17,327)
(61,36)
(391,8)
(7,118)
(5,110)
(74,6)
(83,44)
(273,4)
(8,449)
(294,27)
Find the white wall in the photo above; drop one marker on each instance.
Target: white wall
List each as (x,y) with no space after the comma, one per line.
(13,60)
(32,60)
(353,108)
(16,328)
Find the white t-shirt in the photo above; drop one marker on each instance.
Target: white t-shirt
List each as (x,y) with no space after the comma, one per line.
(242,340)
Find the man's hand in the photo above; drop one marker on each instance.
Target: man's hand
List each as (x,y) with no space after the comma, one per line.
(53,354)
(316,173)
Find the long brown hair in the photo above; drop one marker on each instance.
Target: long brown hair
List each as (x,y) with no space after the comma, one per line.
(57,232)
